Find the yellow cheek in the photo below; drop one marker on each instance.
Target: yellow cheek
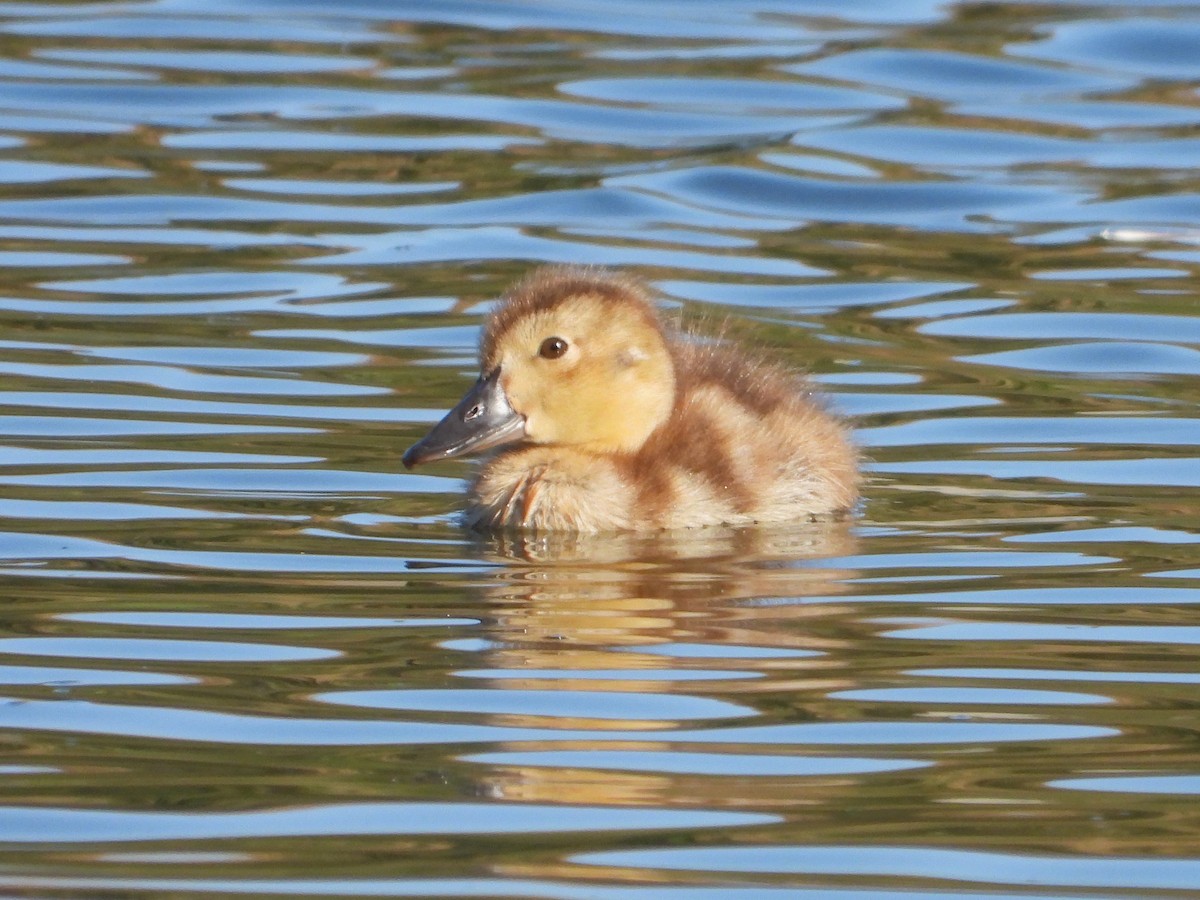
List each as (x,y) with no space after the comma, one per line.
(589,402)
(537,395)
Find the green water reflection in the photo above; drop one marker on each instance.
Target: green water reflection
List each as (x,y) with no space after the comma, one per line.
(244,253)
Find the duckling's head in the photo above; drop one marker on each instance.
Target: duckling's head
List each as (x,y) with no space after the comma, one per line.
(571,357)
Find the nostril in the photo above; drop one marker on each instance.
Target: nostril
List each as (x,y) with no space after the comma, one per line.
(473,412)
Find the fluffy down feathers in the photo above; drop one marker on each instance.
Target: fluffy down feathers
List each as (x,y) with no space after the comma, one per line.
(636,427)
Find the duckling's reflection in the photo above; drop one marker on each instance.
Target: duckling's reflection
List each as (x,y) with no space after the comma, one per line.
(687,627)
(817,539)
(631,589)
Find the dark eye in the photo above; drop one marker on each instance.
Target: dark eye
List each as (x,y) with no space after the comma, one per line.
(552,348)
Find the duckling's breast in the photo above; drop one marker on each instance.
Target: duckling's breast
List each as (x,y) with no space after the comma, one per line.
(551,488)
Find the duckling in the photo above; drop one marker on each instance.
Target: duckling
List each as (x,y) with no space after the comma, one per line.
(605,418)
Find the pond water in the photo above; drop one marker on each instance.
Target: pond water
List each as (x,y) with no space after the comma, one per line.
(245,250)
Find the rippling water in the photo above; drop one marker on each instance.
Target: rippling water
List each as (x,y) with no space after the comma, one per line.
(245,249)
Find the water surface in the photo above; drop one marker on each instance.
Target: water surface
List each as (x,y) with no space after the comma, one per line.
(246,248)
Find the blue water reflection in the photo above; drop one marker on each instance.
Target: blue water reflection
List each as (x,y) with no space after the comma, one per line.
(247,247)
